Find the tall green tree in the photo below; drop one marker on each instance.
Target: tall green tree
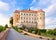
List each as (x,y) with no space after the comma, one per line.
(6,26)
(11,21)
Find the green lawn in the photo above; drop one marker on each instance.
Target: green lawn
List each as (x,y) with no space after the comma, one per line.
(48,35)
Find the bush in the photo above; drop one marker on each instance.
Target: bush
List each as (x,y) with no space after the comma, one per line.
(2,28)
(25,34)
(6,26)
(30,29)
(53,38)
(48,39)
(40,37)
(19,30)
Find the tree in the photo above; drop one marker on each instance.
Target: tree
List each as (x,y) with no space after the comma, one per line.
(54,32)
(6,26)
(11,21)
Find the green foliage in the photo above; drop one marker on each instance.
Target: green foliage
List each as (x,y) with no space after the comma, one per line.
(17,29)
(30,29)
(52,32)
(25,34)
(6,26)
(23,27)
(11,21)
(2,28)
(53,38)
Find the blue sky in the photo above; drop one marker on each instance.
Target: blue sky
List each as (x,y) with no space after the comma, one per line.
(7,7)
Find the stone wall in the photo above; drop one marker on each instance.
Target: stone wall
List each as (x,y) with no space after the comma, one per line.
(4,34)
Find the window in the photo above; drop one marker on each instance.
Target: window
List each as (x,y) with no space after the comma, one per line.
(29,18)
(21,14)
(21,17)
(40,13)
(34,18)
(24,21)
(27,21)
(40,17)
(32,21)
(29,14)
(32,14)
(26,14)
(17,18)
(17,15)
(24,17)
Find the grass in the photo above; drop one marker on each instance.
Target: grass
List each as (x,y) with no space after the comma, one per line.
(17,29)
(2,28)
(48,35)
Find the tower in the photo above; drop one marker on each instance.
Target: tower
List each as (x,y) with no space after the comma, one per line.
(16,17)
(41,19)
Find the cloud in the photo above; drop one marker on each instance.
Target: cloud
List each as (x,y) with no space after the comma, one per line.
(3,19)
(4,6)
(49,6)
(40,4)
(50,15)
(50,23)
(50,10)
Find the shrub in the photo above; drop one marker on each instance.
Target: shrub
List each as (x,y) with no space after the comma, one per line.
(2,28)
(48,39)
(40,37)
(25,34)
(6,26)
(53,38)
(19,30)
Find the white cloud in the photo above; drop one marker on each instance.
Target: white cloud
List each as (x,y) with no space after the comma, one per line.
(50,13)
(3,19)
(50,23)
(4,6)
(49,6)
(50,10)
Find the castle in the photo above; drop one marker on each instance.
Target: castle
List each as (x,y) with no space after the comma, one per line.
(29,18)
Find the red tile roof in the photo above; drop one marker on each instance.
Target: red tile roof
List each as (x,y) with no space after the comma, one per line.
(29,11)
(16,11)
(40,10)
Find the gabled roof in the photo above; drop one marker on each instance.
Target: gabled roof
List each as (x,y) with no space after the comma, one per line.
(29,11)
(16,11)
(40,10)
